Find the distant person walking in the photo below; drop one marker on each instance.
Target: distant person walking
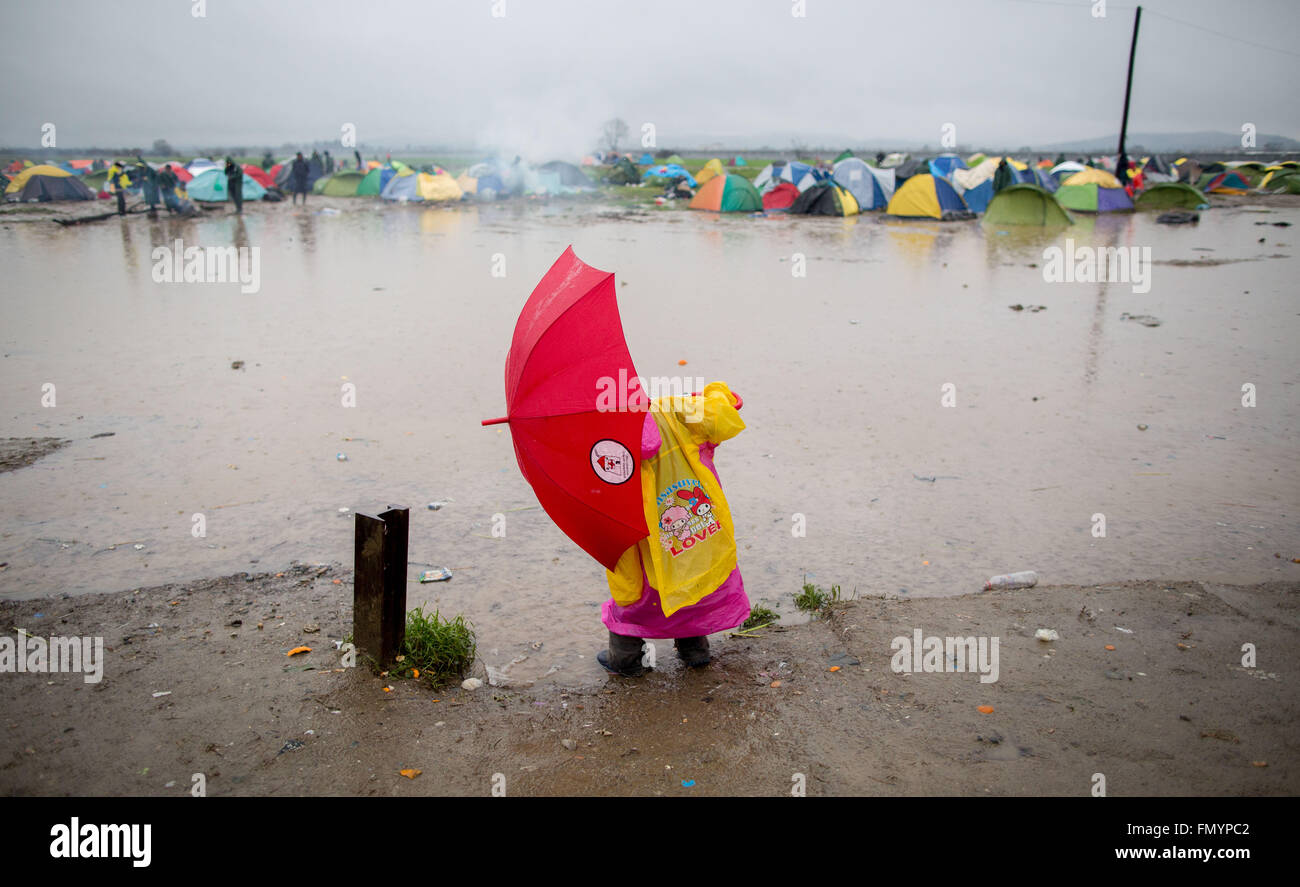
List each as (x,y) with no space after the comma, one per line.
(235,184)
(357,154)
(118,181)
(298,178)
(148,185)
(267,161)
(329,162)
(167,182)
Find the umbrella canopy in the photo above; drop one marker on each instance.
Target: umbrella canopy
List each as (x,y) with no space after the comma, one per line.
(580,455)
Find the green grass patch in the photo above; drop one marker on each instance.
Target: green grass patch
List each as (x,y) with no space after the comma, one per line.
(760,616)
(814,598)
(440,649)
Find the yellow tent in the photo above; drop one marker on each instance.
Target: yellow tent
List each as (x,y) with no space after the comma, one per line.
(467,183)
(20,180)
(713,168)
(1092,176)
(439,186)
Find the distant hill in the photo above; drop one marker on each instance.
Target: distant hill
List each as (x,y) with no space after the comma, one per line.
(1174,141)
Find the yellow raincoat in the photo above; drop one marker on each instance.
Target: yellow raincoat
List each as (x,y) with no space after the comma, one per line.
(691,549)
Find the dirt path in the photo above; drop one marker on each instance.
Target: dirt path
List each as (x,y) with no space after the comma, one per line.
(1153,717)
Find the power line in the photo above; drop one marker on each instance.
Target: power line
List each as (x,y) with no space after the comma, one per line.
(1087,4)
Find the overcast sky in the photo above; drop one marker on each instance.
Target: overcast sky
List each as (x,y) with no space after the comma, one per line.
(542,78)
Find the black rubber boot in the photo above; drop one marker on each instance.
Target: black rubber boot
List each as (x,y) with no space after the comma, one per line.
(623,656)
(693,651)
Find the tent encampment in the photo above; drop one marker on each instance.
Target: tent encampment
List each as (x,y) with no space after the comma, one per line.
(209,186)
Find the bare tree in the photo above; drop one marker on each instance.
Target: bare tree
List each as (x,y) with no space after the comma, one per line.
(614,132)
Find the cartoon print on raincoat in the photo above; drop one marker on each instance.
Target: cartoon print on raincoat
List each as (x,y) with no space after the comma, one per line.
(687,521)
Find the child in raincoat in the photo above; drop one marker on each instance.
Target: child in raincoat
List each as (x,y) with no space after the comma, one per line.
(682,581)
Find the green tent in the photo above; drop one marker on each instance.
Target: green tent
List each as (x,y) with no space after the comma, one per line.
(341,184)
(1025,205)
(1170,195)
(844,155)
(373,182)
(673,158)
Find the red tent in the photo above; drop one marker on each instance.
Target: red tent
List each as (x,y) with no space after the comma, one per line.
(259,175)
(780,197)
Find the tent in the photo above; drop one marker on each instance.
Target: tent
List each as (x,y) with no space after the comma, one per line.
(713,168)
(944,164)
(977,198)
(728,193)
(31,185)
(674,158)
(797,173)
(201,164)
(825,199)
(1043,179)
(571,178)
(259,175)
(1170,195)
(1025,205)
(1227,183)
(928,197)
(1277,179)
(373,182)
(210,186)
(647,159)
(870,187)
(45,170)
(438,186)
(1093,191)
(340,184)
(1062,170)
(780,198)
(843,155)
(669,171)
(738,161)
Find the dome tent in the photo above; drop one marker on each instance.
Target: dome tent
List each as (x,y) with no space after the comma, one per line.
(926,197)
(728,193)
(340,184)
(825,199)
(1170,195)
(210,186)
(870,187)
(1025,205)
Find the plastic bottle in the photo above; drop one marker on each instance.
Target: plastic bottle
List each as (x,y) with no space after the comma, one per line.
(1023,579)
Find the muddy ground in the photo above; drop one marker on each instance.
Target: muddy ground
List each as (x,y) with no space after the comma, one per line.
(1169,711)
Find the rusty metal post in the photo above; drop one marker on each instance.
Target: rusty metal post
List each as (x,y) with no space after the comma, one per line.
(379,584)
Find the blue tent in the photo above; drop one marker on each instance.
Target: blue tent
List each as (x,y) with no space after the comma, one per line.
(943,165)
(856,177)
(977,198)
(1043,179)
(669,171)
(646,159)
(209,186)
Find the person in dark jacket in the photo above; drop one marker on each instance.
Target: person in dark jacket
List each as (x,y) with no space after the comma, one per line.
(235,183)
(148,178)
(329,163)
(267,161)
(298,178)
(167,182)
(357,154)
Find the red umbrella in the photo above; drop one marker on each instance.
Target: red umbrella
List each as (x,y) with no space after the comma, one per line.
(581,458)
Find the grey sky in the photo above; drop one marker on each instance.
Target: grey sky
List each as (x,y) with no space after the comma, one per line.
(543,78)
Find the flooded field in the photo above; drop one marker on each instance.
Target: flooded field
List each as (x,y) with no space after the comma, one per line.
(1060,415)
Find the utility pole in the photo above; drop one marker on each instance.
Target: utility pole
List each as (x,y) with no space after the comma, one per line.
(1121,163)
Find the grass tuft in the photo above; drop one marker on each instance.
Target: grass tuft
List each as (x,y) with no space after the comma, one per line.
(441,649)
